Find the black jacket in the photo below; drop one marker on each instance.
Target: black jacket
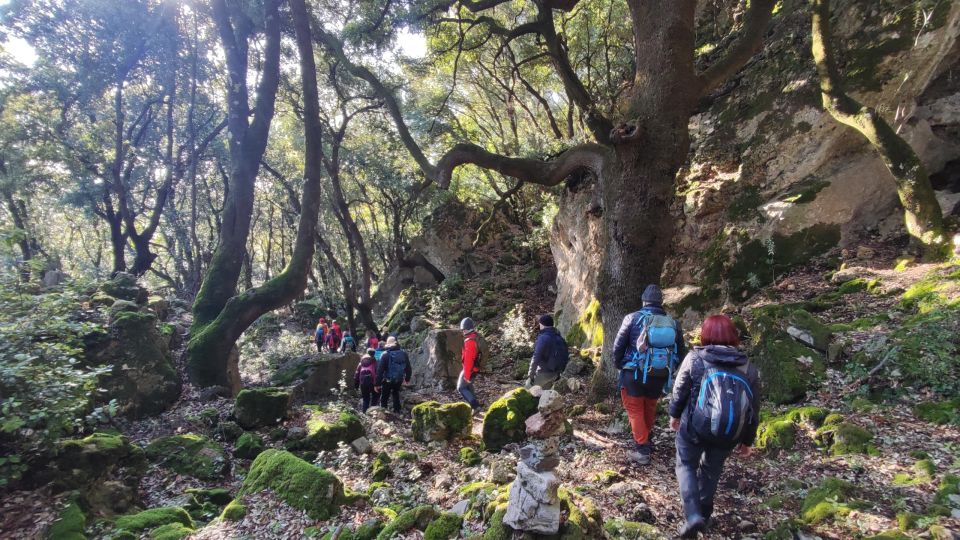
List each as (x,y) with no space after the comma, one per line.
(687,386)
(394,353)
(626,342)
(550,353)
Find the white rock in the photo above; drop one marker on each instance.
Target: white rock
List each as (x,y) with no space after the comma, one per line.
(460,508)
(526,513)
(550,401)
(542,486)
(361,445)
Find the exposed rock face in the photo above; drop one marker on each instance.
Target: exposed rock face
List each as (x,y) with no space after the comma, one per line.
(438,362)
(534,505)
(143,379)
(576,243)
(315,375)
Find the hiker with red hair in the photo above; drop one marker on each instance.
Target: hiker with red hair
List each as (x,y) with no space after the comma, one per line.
(715,409)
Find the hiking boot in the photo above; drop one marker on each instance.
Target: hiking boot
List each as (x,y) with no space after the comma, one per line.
(641,454)
(692,528)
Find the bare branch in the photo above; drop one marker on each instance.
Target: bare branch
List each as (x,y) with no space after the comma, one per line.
(588,156)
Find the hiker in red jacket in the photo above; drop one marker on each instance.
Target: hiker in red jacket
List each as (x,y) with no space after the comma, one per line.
(334,336)
(471,362)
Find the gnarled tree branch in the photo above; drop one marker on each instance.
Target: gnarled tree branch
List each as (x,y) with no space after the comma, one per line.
(588,156)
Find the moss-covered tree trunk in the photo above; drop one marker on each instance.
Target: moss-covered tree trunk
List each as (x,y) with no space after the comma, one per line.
(213,335)
(922,214)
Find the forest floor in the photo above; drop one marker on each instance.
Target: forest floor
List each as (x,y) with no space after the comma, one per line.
(757,494)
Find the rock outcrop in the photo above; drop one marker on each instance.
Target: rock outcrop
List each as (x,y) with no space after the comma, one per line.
(435,422)
(437,363)
(300,484)
(317,375)
(505,420)
(105,469)
(259,407)
(190,454)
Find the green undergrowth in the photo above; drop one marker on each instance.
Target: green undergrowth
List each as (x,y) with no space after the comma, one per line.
(939,412)
(70,524)
(831,499)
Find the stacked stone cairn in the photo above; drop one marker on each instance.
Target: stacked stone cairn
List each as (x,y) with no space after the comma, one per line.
(534,505)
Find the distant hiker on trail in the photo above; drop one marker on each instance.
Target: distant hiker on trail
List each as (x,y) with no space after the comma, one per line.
(365,380)
(715,409)
(550,355)
(334,335)
(320,334)
(378,353)
(348,343)
(372,340)
(471,363)
(647,350)
(393,372)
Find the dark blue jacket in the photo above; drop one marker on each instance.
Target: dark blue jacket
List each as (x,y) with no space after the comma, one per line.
(550,352)
(690,375)
(625,343)
(395,354)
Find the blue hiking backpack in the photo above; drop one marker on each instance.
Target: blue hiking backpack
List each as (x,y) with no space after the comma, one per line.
(396,365)
(655,351)
(724,405)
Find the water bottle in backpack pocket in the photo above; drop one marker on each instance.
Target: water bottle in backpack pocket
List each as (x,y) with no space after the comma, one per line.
(724,405)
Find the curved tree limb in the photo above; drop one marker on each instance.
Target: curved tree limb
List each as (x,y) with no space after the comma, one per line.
(922,214)
(589,156)
(750,41)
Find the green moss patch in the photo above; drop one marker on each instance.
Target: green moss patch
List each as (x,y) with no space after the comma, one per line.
(415,518)
(607,477)
(190,454)
(584,520)
(588,330)
(846,438)
(235,511)
(380,468)
(249,446)
(297,482)
(152,518)
(70,524)
(435,422)
(949,485)
(758,263)
(833,498)
(776,434)
(327,427)
(939,412)
(496,528)
(171,531)
(631,530)
(859,285)
(445,527)
(786,344)
(258,407)
(470,457)
(505,419)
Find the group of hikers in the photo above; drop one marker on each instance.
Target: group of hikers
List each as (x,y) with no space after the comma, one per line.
(713,408)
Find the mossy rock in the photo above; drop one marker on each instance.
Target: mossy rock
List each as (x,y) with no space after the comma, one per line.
(755,266)
(584,520)
(607,477)
(228,430)
(296,482)
(859,285)
(949,485)
(171,531)
(217,496)
(939,412)
(620,529)
(104,468)
(191,454)
(380,468)
(122,306)
(894,534)
(415,518)
(846,438)
(368,530)
(328,427)
(832,498)
(776,434)
(249,446)
(520,369)
(787,367)
(235,511)
(258,407)
(810,416)
(505,419)
(445,527)
(70,524)
(470,457)
(153,518)
(435,422)
(125,287)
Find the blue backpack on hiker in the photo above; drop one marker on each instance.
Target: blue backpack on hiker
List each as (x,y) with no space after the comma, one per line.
(724,405)
(655,352)
(396,365)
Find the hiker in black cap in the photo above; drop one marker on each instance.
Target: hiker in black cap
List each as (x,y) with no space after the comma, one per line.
(550,355)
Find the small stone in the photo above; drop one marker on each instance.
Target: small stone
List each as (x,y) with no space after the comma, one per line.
(574,367)
(864,252)
(361,445)
(535,391)
(296,433)
(550,401)
(547,464)
(460,508)
(746,526)
(501,472)
(574,385)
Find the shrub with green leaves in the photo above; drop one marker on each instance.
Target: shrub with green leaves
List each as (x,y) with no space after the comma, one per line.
(45,387)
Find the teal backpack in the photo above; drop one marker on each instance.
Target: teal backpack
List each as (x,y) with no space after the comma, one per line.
(656,349)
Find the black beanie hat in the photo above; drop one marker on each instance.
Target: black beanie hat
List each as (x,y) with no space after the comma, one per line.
(546,319)
(652,295)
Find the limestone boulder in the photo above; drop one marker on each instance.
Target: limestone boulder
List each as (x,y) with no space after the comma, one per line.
(438,362)
(259,407)
(435,422)
(505,421)
(190,454)
(317,375)
(105,469)
(533,504)
(142,378)
(326,428)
